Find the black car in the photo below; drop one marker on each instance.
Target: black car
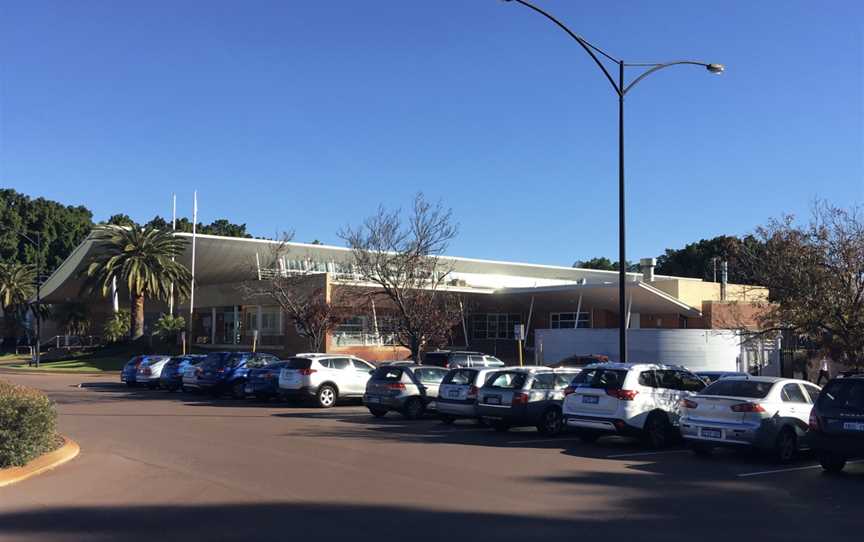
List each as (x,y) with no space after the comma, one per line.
(837,422)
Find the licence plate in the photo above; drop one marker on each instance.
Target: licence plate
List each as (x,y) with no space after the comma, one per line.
(373,400)
(453,393)
(493,400)
(853,426)
(590,399)
(711,433)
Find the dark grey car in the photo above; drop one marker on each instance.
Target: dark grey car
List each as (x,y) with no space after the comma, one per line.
(525,396)
(409,389)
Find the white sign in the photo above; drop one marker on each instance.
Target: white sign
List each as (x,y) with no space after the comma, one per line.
(519,332)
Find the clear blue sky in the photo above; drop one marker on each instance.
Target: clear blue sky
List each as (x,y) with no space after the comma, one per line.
(307,115)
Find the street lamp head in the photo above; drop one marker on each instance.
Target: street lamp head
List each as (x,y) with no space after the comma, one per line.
(716,69)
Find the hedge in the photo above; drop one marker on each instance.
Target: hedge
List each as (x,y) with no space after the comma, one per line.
(27,425)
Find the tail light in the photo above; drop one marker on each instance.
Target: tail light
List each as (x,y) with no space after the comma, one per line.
(815,424)
(147,371)
(520,398)
(472,392)
(396,386)
(220,370)
(747,407)
(199,371)
(568,390)
(687,403)
(623,395)
(307,372)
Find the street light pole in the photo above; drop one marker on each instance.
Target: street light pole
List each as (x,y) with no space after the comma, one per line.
(621,89)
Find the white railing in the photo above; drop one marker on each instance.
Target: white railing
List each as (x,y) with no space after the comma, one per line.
(344,338)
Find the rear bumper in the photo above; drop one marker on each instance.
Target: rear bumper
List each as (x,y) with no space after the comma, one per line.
(261,388)
(460,409)
(383,401)
(727,434)
(837,444)
(599,423)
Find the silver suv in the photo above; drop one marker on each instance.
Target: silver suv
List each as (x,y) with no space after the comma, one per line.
(409,389)
(325,378)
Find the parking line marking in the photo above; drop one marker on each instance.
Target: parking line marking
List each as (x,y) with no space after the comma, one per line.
(532,441)
(791,469)
(637,454)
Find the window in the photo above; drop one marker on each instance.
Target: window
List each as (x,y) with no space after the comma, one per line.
(543,382)
(812,391)
(843,394)
(690,382)
(431,375)
(507,381)
(562,380)
(361,365)
(646,378)
(792,394)
(353,325)
(462,377)
(494,325)
(739,388)
(609,379)
(388,374)
(569,320)
(339,364)
(670,380)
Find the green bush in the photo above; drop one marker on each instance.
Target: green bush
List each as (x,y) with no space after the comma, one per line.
(117,327)
(27,425)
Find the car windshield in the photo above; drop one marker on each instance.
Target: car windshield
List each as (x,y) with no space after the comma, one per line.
(507,380)
(433,358)
(387,374)
(750,389)
(598,377)
(298,363)
(463,377)
(847,395)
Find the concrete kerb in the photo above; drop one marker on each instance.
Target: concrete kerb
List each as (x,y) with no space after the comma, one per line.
(43,463)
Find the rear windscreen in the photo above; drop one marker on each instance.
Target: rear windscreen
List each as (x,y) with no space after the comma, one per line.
(387,374)
(438,360)
(846,395)
(298,363)
(739,388)
(460,377)
(607,379)
(507,380)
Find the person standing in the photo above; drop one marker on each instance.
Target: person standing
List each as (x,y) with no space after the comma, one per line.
(823,371)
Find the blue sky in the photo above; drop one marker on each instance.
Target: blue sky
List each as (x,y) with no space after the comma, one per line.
(307,115)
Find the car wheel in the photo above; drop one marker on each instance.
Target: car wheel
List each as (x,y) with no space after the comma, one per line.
(414,408)
(238,390)
(377,412)
(658,430)
(786,446)
(702,450)
(588,436)
(550,423)
(447,420)
(501,427)
(832,462)
(326,396)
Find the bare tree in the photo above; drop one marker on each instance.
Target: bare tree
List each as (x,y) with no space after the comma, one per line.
(402,258)
(815,274)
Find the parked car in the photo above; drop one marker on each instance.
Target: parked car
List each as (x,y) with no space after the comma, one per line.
(324,378)
(449,359)
(220,373)
(263,382)
(149,370)
(408,389)
(193,371)
(762,412)
(579,361)
(524,396)
(171,378)
(713,376)
(837,422)
(457,394)
(129,374)
(638,399)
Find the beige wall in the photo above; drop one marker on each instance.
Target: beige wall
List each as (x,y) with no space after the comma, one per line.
(694,292)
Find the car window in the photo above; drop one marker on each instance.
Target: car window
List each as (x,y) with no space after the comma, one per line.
(690,382)
(646,378)
(435,358)
(299,363)
(609,379)
(843,394)
(507,380)
(388,374)
(340,363)
(430,375)
(668,379)
(739,388)
(562,380)
(362,365)
(791,393)
(545,381)
(460,377)
(812,392)
(459,359)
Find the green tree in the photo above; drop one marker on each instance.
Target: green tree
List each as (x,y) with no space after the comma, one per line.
(604,264)
(142,259)
(73,317)
(121,219)
(697,259)
(117,327)
(168,327)
(17,288)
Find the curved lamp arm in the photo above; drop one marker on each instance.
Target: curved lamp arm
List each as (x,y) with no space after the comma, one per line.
(585,45)
(713,68)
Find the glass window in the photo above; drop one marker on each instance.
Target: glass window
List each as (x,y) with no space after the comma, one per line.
(340,363)
(544,381)
(494,325)
(843,394)
(562,380)
(608,379)
(739,388)
(458,359)
(668,379)
(362,365)
(507,380)
(690,382)
(431,375)
(812,391)
(461,377)
(299,363)
(569,320)
(388,374)
(646,378)
(792,394)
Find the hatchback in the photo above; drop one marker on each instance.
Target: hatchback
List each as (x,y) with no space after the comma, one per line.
(171,378)
(219,373)
(762,412)
(525,396)
(638,399)
(457,395)
(150,370)
(324,378)
(129,374)
(837,422)
(263,382)
(408,389)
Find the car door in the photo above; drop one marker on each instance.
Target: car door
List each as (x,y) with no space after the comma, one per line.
(360,375)
(795,405)
(342,373)
(542,387)
(430,379)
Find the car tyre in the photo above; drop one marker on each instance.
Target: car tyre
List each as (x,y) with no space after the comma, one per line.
(786,446)
(326,396)
(831,462)
(377,412)
(414,408)
(551,423)
(238,390)
(658,430)
(447,420)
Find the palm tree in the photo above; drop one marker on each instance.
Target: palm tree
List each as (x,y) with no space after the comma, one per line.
(141,258)
(17,288)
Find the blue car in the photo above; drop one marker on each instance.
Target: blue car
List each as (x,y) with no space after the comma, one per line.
(263,383)
(220,372)
(171,378)
(130,370)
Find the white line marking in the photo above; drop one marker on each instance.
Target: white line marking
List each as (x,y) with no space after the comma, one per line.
(791,469)
(532,441)
(636,454)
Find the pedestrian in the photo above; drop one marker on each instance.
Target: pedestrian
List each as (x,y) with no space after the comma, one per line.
(823,371)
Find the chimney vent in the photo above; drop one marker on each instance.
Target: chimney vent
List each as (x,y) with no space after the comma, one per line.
(646,265)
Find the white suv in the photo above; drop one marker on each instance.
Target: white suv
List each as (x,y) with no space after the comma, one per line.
(640,399)
(324,378)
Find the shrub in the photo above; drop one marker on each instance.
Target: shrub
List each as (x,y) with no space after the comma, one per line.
(27,425)
(168,327)
(117,327)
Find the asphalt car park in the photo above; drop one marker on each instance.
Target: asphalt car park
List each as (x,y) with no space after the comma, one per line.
(161,465)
